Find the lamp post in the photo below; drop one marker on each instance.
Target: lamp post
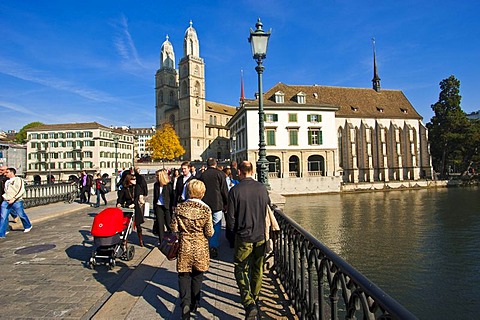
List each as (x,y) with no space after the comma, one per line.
(115,140)
(259,41)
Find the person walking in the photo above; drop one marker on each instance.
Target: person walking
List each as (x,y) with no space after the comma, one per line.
(181,194)
(245,218)
(100,190)
(193,222)
(216,197)
(3,181)
(13,200)
(129,197)
(162,202)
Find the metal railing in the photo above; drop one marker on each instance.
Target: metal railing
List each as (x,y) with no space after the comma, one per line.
(321,285)
(37,195)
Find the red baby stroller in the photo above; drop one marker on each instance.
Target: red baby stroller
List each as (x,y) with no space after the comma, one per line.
(110,231)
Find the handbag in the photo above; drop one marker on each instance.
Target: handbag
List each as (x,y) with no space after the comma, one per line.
(146,210)
(170,245)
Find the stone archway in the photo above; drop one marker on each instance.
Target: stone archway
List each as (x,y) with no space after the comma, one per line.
(316,165)
(293,166)
(274,167)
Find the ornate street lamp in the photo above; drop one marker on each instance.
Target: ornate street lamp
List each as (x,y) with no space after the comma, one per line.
(115,140)
(259,42)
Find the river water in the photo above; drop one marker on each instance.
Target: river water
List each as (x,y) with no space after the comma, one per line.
(422,247)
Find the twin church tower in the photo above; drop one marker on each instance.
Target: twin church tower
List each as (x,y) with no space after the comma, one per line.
(180,100)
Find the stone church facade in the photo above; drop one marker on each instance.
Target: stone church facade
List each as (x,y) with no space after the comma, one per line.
(201,125)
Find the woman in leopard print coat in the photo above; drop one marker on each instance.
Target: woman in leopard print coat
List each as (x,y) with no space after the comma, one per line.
(193,222)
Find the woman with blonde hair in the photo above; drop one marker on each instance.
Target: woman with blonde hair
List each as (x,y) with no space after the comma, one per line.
(193,222)
(162,203)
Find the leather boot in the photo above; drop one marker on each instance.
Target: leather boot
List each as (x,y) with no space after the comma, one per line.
(140,238)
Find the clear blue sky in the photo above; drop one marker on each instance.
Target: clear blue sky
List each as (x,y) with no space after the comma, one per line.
(80,61)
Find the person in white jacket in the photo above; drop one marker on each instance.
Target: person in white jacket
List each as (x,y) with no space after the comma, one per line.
(13,200)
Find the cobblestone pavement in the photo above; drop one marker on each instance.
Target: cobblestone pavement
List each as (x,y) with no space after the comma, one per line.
(44,274)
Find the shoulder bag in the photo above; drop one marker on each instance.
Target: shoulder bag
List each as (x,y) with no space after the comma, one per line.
(170,245)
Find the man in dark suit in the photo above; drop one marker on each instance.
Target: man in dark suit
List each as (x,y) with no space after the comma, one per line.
(216,197)
(181,187)
(247,207)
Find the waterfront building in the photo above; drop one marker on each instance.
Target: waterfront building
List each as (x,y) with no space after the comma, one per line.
(180,99)
(62,150)
(141,136)
(357,134)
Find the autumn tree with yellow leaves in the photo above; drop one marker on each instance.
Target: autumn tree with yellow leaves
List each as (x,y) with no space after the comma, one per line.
(165,144)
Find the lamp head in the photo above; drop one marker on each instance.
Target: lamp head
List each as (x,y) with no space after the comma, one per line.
(259,41)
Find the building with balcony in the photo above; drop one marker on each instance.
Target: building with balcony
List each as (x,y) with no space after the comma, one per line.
(62,150)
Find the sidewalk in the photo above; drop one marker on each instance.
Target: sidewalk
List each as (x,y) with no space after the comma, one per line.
(151,289)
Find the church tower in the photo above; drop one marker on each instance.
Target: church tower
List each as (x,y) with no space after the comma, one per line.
(166,86)
(191,101)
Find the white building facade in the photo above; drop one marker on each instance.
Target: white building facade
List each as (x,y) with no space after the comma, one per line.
(358,134)
(62,150)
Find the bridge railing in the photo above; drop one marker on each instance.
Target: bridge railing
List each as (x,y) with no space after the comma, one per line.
(321,285)
(37,195)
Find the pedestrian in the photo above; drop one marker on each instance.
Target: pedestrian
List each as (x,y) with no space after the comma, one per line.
(100,190)
(162,203)
(174,177)
(181,187)
(193,221)
(234,169)
(247,206)
(130,197)
(216,197)
(13,200)
(3,180)
(86,182)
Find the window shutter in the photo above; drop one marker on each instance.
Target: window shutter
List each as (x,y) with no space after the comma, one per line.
(309,137)
(309,118)
(319,118)
(320,137)
(275,117)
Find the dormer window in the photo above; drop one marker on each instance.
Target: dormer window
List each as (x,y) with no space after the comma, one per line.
(315,95)
(354,109)
(379,109)
(301,98)
(403,110)
(279,97)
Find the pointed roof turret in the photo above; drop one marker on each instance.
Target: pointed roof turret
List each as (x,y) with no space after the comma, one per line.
(167,56)
(191,45)
(376,78)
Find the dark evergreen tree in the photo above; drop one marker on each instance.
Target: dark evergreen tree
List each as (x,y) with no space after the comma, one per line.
(449,130)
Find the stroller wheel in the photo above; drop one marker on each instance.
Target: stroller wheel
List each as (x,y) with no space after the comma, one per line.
(130,253)
(91,263)
(112,263)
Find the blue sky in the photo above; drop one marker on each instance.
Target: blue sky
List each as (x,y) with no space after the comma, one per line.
(81,61)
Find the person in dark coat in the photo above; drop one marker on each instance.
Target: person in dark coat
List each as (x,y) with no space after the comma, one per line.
(216,197)
(162,203)
(130,196)
(246,213)
(181,194)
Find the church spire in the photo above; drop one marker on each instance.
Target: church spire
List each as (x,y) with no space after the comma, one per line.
(242,90)
(376,78)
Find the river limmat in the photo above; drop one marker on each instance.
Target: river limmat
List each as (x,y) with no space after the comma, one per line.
(419,246)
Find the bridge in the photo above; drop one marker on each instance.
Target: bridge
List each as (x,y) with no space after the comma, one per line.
(303,278)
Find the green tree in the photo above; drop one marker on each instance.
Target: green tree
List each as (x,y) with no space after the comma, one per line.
(165,144)
(448,128)
(21,136)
